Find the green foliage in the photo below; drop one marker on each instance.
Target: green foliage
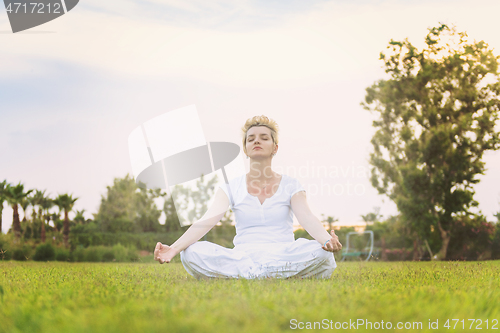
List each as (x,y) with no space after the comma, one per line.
(120,253)
(15,195)
(128,208)
(172,220)
(301,233)
(100,253)
(222,235)
(495,244)
(472,238)
(77,255)
(62,254)
(194,201)
(372,216)
(44,252)
(437,117)
(6,242)
(395,232)
(21,252)
(124,254)
(142,241)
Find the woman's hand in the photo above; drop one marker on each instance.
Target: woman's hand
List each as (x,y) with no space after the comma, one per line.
(333,245)
(164,253)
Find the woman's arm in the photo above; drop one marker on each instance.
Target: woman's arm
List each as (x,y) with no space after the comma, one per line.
(197,230)
(312,224)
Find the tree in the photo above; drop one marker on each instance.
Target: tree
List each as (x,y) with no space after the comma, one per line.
(25,227)
(128,208)
(15,195)
(66,203)
(46,203)
(79,217)
(195,201)
(372,217)
(3,197)
(437,115)
(330,220)
(36,202)
(172,220)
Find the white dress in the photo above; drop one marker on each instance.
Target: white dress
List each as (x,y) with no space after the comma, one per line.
(264,245)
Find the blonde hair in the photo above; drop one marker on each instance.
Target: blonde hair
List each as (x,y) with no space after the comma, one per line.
(260,121)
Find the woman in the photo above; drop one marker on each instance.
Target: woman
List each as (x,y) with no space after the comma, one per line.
(263,202)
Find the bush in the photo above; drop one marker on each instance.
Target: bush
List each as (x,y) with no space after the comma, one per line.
(124,254)
(21,252)
(44,252)
(399,254)
(94,253)
(78,255)
(142,241)
(495,246)
(120,253)
(62,254)
(5,247)
(108,255)
(471,239)
(301,233)
(5,253)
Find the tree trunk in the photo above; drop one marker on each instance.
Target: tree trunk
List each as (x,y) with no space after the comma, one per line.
(445,236)
(1,210)
(42,235)
(416,255)
(66,228)
(384,254)
(16,223)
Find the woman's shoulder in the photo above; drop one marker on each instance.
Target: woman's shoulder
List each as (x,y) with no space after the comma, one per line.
(289,179)
(291,185)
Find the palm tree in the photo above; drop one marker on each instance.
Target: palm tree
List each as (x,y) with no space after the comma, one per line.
(330,220)
(15,195)
(372,217)
(79,218)
(36,201)
(65,202)
(46,204)
(25,203)
(3,189)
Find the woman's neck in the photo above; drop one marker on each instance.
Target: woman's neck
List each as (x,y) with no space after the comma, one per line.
(261,172)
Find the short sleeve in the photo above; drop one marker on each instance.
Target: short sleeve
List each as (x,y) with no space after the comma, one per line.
(224,188)
(296,187)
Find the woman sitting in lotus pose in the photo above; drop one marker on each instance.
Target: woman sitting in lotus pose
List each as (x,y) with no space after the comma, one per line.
(263,203)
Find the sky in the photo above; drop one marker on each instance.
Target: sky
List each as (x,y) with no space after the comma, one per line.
(73,89)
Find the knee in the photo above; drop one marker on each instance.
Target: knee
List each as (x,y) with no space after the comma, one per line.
(327,258)
(325,255)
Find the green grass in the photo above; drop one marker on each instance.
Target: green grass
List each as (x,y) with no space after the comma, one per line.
(148,297)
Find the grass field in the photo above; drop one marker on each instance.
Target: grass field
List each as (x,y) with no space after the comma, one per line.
(148,297)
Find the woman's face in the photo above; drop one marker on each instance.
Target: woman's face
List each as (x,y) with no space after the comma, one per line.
(259,136)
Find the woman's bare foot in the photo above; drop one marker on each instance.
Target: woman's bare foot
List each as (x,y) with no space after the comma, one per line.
(160,253)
